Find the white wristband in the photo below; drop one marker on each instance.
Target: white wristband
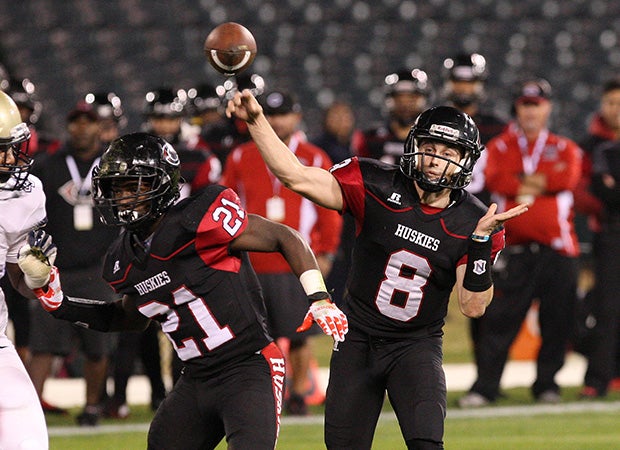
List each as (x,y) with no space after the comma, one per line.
(312,281)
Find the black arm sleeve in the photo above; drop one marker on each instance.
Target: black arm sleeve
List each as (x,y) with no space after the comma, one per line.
(93,314)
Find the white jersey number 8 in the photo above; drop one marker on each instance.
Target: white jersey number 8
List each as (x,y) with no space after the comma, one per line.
(406,274)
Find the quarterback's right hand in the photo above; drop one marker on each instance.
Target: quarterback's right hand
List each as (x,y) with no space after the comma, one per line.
(51,296)
(36,258)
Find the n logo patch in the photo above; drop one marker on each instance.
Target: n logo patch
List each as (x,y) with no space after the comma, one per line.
(480,266)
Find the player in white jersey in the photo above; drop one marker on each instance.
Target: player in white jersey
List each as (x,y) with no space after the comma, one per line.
(22,209)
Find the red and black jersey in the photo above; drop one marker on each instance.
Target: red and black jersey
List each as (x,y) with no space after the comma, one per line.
(207,300)
(404,259)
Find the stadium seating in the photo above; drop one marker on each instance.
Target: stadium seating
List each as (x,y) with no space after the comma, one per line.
(321,49)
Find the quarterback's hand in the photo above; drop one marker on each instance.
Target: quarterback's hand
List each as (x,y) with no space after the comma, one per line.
(244,106)
(328,316)
(51,296)
(36,258)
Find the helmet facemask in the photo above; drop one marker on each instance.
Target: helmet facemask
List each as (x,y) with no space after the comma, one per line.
(14,175)
(136,182)
(455,175)
(127,201)
(449,127)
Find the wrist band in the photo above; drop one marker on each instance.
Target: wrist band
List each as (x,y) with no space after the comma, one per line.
(312,281)
(321,295)
(480,238)
(478,272)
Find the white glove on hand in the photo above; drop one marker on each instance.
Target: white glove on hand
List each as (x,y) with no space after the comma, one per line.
(36,259)
(328,316)
(51,297)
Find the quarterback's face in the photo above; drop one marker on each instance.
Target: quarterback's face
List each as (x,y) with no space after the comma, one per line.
(435,163)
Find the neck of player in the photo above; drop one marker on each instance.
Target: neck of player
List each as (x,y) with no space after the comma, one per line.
(440,199)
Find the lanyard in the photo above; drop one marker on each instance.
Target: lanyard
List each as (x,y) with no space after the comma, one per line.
(275,183)
(530,162)
(78,181)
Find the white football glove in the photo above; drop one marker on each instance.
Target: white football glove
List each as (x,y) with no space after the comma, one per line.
(36,259)
(328,316)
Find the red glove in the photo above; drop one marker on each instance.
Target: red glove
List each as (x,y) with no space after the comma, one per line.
(51,296)
(328,316)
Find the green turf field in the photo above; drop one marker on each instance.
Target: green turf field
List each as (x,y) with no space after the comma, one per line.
(500,429)
(515,423)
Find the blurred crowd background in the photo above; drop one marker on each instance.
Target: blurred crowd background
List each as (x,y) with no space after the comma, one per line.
(322,49)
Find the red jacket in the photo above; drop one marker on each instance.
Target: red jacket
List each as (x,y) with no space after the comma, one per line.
(248,175)
(549,220)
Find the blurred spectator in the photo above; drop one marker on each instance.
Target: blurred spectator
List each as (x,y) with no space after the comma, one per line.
(338,139)
(339,135)
(223,136)
(83,240)
(23,91)
(112,120)
(165,113)
(529,164)
(604,341)
(205,107)
(604,126)
(261,193)
(407,94)
(465,76)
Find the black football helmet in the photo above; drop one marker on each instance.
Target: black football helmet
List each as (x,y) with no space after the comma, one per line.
(151,166)
(413,81)
(14,137)
(165,102)
(252,81)
(451,127)
(108,106)
(468,67)
(203,97)
(405,81)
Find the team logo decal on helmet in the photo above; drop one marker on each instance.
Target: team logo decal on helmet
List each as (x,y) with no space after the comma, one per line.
(444,131)
(170,155)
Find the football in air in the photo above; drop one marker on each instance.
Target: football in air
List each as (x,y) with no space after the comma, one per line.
(230,48)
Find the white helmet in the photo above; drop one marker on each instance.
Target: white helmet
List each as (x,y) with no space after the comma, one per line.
(14,137)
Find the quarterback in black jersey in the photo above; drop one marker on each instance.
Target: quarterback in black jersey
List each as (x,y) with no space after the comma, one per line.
(185,265)
(419,234)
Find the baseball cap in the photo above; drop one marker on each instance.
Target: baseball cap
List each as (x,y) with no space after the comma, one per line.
(279,102)
(533,91)
(83,108)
